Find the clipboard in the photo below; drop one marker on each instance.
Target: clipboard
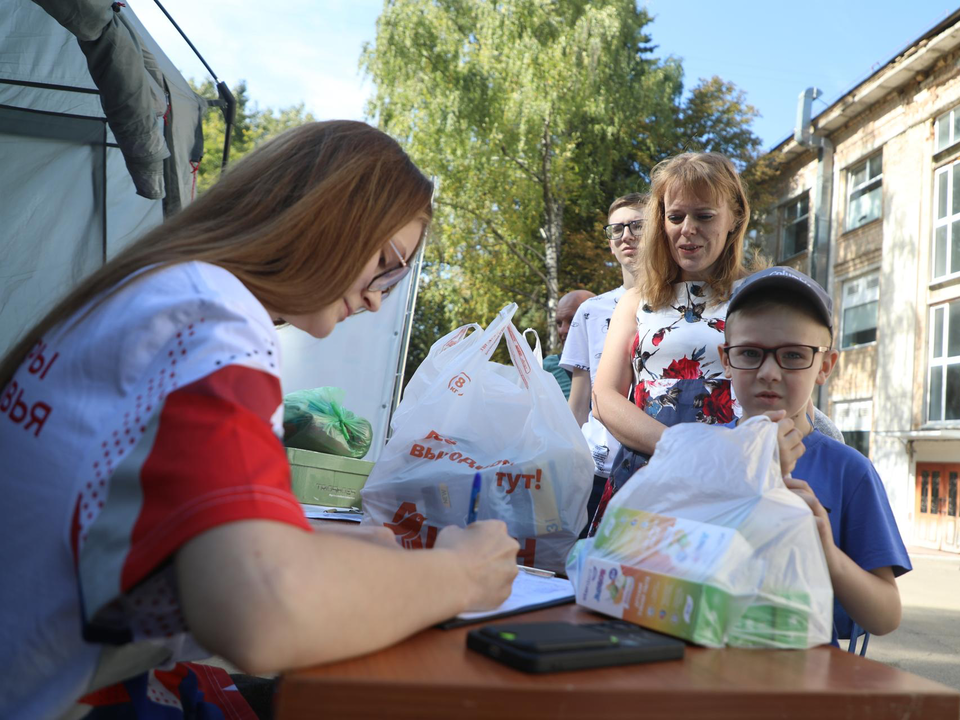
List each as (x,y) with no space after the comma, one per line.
(530,592)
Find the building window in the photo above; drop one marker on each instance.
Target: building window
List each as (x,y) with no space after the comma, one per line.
(865,191)
(946,224)
(853,419)
(858,323)
(948,129)
(944,382)
(795,226)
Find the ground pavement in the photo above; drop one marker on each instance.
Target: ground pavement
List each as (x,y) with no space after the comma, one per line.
(927,643)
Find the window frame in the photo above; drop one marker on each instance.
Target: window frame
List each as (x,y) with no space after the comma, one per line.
(942,363)
(863,298)
(854,416)
(863,188)
(786,222)
(950,221)
(952,116)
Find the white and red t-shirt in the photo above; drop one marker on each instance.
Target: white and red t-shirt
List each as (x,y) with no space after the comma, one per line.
(126,432)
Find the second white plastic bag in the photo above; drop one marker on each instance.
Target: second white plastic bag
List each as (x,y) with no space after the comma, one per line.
(708,544)
(463,413)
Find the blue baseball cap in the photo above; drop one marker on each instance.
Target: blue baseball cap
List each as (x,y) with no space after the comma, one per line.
(785,278)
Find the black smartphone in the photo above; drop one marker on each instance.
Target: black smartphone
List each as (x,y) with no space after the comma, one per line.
(540,647)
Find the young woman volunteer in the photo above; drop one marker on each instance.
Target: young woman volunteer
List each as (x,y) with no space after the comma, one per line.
(149,511)
(664,333)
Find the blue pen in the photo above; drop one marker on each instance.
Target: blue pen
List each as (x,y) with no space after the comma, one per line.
(474,500)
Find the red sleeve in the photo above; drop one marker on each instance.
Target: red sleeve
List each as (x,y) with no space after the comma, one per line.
(214,460)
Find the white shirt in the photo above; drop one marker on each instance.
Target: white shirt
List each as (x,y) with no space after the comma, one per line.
(582,351)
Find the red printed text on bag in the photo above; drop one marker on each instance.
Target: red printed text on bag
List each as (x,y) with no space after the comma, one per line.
(458,383)
(408,523)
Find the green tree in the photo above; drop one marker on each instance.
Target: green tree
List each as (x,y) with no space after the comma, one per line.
(251,127)
(522,109)
(534,115)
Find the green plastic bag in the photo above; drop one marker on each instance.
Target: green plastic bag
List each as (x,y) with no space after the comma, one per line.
(316,420)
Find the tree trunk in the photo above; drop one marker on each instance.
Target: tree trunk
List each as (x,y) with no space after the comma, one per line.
(552,232)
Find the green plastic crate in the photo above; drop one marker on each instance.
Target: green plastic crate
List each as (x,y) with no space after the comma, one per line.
(322,479)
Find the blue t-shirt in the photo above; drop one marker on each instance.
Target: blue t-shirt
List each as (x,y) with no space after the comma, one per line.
(860,516)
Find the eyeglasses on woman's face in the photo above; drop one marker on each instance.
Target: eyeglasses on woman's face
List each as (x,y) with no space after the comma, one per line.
(385,281)
(614,231)
(788,357)
(388,279)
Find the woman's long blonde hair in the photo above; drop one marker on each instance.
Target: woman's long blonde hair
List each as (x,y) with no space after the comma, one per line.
(708,175)
(295,221)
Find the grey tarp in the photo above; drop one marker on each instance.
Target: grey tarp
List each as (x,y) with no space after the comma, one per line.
(67,201)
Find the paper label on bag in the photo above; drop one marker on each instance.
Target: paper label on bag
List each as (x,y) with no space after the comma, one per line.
(545,512)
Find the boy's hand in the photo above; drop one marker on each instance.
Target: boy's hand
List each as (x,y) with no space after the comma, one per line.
(789,440)
(801,488)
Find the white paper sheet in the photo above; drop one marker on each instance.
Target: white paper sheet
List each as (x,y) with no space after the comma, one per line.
(528,592)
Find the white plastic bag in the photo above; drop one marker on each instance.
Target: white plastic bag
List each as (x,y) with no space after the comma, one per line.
(461,414)
(707,543)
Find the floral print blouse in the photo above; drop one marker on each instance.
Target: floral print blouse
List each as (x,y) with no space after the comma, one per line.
(677,373)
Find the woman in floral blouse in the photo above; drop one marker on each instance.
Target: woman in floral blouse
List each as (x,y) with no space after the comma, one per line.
(691,256)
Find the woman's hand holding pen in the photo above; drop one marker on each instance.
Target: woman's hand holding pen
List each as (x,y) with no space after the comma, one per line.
(487,557)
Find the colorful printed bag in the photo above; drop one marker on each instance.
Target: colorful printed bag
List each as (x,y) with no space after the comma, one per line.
(463,414)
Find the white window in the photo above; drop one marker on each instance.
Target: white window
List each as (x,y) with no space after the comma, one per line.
(853,419)
(858,322)
(795,227)
(948,129)
(944,382)
(946,222)
(865,191)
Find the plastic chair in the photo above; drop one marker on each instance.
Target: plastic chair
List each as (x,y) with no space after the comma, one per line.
(857,632)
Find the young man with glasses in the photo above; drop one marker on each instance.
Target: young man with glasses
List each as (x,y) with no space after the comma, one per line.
(778,346)
(588,332)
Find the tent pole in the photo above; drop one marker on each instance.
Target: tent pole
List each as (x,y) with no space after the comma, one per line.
(103,194)
(229,108)
(184,36)
(229,104)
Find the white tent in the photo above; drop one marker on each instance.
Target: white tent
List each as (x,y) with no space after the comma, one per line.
(68,201)
(67,198)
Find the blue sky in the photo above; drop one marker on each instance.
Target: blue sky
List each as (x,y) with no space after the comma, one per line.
(308,50)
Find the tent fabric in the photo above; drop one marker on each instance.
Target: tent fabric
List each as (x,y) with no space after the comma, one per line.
(38,49)
(49,240)
(66,197)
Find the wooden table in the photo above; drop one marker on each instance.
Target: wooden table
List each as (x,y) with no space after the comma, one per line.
(433,675)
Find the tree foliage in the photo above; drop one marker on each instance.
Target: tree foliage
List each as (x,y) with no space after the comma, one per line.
(251,127)
(534,115)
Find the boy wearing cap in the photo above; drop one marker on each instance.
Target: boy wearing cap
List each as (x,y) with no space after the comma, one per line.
(779,337)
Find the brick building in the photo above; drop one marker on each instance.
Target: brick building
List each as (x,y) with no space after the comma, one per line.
(869,205)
